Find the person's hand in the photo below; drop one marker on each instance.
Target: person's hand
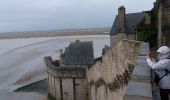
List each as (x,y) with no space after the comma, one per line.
(147,56)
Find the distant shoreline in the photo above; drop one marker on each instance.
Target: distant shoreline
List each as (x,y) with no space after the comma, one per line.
(99,31)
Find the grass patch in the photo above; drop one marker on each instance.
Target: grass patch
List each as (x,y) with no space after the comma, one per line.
(148,35)
(40,87)
(50,97)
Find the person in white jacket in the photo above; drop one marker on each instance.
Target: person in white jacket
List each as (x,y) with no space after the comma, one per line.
(162,67)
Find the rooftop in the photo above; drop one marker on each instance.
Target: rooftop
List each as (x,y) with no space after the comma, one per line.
(132,21)
(79,53)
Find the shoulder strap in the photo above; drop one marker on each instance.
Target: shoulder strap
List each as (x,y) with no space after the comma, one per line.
(166,73)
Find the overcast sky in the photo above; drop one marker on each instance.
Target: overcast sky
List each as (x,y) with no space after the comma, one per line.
(39,15)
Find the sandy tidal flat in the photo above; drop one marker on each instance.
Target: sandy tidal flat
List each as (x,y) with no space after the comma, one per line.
(21,60)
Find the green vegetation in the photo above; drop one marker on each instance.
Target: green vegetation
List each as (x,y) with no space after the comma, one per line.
(148,35)
(40,87)
(50,97)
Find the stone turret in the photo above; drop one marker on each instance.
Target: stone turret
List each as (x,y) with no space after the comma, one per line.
(121,20)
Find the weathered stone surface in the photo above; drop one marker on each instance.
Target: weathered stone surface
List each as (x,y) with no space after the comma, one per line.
(57,87)
(144,53)
(141,61)
(145,44)
(144,71)
(67,89)
(141,57)
(101,93)
(108,78)
(141,79)
(144,49)
(81,89)
(114,71)
(129,97)
(162,8)
(68,71)
(139,89)
(66,83)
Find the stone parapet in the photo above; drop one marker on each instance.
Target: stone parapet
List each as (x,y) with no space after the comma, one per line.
(65,72)
(109,77)
(68,72)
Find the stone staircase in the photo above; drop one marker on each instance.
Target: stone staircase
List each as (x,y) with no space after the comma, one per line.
(140,87)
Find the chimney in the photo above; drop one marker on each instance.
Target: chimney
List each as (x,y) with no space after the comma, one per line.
(121,20)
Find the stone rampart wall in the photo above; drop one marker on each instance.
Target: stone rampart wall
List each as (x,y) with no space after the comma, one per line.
(108,78)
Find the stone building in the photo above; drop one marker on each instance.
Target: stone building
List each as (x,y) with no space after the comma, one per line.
(78,76)
(129,23)
(156,19)
(121,73)
(67,76)
(162,12)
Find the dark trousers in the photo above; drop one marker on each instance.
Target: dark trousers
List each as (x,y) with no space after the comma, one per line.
(164,94)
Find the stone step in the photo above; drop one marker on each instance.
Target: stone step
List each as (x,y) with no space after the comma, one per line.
(144,49)
(143,71)
(141,61)
(139,89)
(143,53)
(145,44)
(142,65)
(129,97)
(141,79)
(141,57)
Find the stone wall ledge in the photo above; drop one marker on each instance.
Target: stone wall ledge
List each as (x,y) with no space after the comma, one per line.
(68,71)
(65,72)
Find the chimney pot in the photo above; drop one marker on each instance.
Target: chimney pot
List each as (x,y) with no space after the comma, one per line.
(121,20)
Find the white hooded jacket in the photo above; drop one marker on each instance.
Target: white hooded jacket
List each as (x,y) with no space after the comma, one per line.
(161,65)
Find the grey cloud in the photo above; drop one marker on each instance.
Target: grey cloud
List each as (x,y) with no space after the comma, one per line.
(32,15)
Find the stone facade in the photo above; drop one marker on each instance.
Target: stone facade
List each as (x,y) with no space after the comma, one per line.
(109,77)
(66,83)
(129,23)
(77,76)
(114,38)
(162,8)
(67,76)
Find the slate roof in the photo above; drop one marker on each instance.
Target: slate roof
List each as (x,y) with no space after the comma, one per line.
(80,53)
(132,20)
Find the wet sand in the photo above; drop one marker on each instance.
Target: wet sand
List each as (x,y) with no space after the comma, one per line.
(20,64)
(76,32)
